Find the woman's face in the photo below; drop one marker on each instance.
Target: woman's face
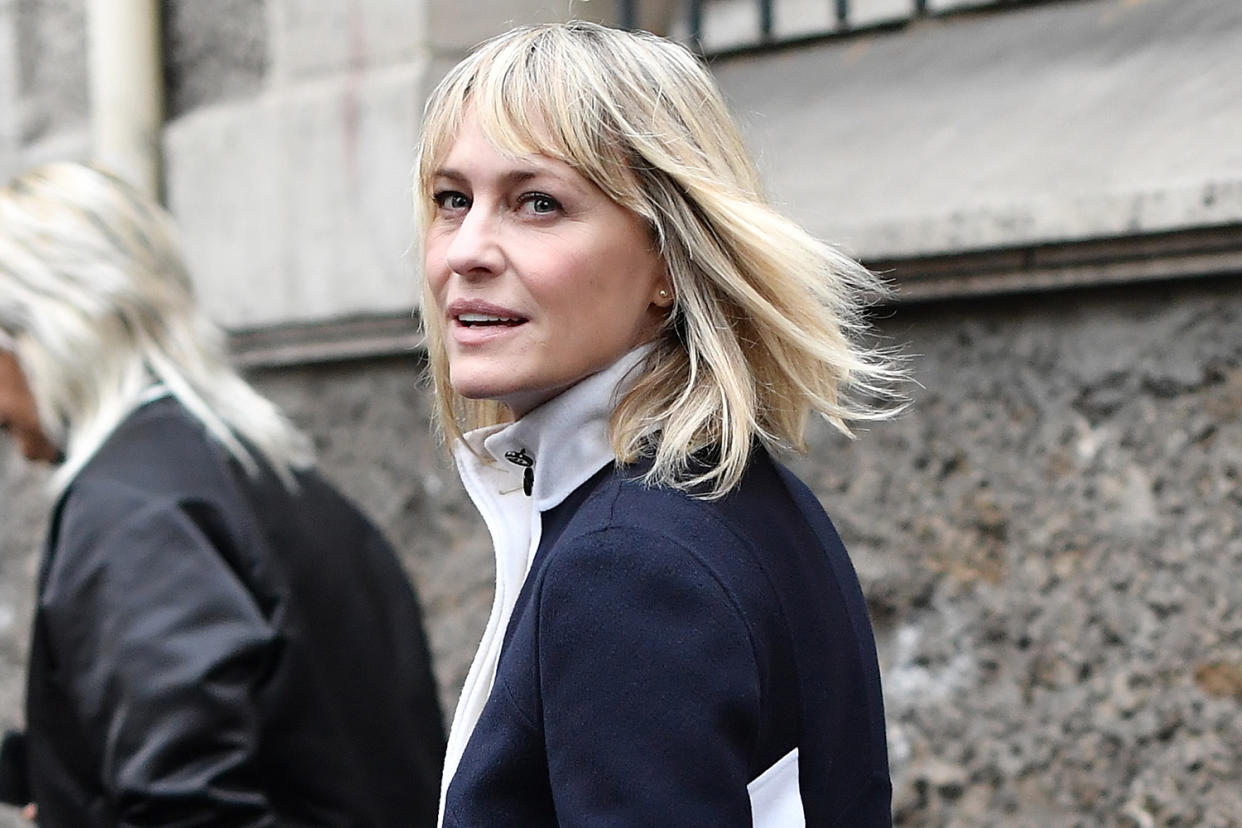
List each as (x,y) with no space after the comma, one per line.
(538,277)
(18,417)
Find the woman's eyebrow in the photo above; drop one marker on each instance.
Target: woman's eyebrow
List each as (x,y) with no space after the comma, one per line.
(450,174)
(510,177)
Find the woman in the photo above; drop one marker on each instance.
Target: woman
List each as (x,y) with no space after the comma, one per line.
(220,638)
(621,334)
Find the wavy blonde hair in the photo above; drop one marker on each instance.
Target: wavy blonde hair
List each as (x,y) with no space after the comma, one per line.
(98,304)
(767,323)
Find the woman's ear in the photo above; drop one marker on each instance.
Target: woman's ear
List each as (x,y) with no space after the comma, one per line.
(663,297)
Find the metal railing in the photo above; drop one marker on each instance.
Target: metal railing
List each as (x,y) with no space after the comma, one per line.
(773,22)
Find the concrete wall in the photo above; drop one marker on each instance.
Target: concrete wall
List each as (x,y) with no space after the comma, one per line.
(1043,124)
(295,192)
(1051,548)
(43,97)
(289,145)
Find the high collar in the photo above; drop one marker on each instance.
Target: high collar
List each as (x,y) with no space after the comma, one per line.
(564,441)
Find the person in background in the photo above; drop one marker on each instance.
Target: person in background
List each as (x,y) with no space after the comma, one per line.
(622,336)
(220,638)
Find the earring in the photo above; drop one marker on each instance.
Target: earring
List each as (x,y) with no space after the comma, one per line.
(663,293)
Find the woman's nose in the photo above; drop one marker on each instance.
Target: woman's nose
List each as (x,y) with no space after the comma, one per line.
(475,248)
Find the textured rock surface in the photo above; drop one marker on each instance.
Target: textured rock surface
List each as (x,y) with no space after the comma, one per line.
(1049,541)
(1051,546)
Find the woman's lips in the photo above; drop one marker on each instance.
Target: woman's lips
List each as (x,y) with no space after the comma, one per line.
(478,323)
(475,321)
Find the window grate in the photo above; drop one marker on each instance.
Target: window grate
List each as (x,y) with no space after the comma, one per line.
(716,26)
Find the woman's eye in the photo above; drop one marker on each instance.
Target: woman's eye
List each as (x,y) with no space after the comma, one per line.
(451,200)
(540,203)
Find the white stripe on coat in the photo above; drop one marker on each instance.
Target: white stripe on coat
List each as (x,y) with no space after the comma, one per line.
(775,801)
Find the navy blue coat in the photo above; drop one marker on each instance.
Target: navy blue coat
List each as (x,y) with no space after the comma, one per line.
(664,651)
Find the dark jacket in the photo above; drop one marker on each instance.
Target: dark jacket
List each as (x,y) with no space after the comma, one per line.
(664,651)
(209,649)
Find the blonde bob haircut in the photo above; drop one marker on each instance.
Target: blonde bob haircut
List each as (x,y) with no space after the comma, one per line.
(766,322)
(97,303)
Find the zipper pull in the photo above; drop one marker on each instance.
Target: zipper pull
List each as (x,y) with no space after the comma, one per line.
(522,458)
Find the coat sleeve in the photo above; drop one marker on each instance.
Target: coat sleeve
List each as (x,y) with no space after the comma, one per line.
(14,772)
(649,685)
(160,647)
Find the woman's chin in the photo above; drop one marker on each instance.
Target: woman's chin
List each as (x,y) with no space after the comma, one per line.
(519,401)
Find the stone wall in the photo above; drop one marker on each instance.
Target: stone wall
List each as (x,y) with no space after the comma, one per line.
(1051,548)
(289,155)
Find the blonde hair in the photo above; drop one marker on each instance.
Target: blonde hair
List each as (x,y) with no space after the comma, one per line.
(97,300)
(767,321)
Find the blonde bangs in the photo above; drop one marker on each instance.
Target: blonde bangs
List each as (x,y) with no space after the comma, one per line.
(532,93)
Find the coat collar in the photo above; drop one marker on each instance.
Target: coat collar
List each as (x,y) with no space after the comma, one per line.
(563,442)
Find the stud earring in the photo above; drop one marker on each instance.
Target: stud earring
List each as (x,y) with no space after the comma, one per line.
(663,293)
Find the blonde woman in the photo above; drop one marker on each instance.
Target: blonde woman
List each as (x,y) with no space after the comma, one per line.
(622,336)
(220,638)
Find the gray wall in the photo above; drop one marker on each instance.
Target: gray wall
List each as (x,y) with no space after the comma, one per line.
(1051,548)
